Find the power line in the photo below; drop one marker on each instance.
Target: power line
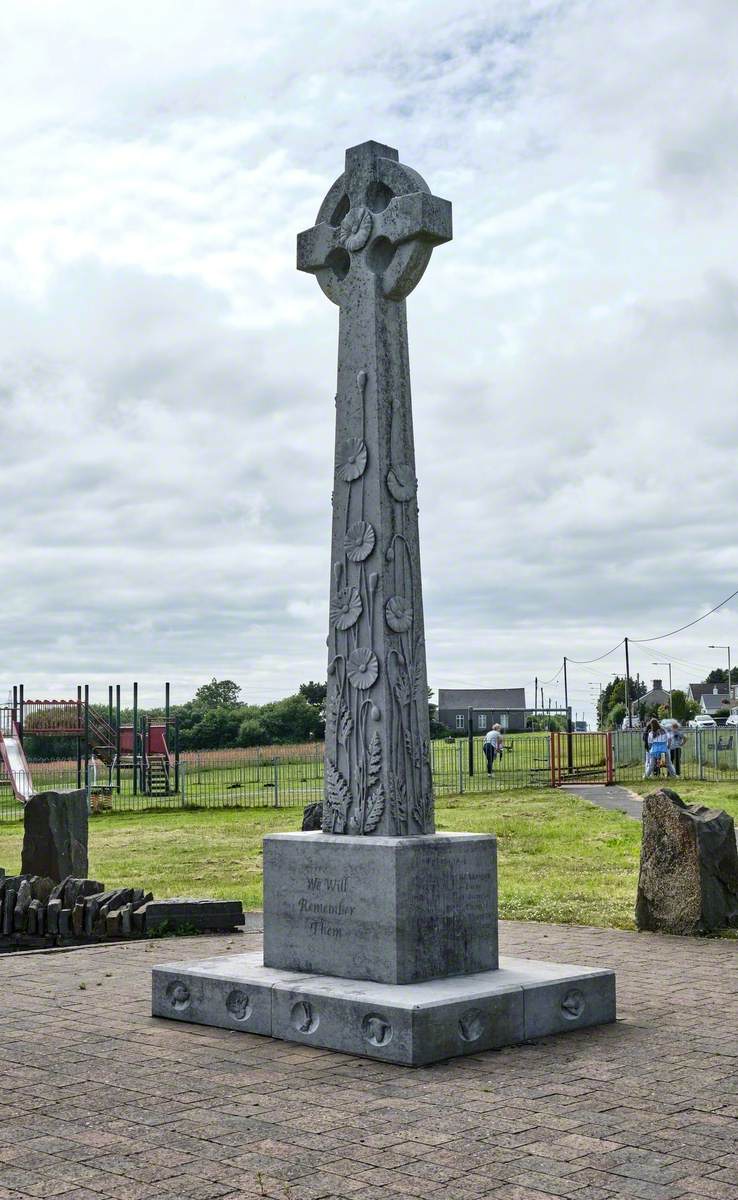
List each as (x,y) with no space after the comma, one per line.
(689,624)
(583,661)
(553,678)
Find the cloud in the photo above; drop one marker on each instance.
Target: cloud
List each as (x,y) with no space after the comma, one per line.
(167,377)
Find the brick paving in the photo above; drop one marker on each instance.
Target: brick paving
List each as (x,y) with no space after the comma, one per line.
(99,1100)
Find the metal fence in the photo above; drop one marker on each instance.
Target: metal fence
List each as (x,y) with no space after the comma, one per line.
(286,778)
(710,755)
(290,778)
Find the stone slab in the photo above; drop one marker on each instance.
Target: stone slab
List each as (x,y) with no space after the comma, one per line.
(389,909)
(198,914)
(407,1024)
(55,835)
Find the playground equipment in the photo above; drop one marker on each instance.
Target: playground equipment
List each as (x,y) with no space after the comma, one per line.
(17,772)
(141,749)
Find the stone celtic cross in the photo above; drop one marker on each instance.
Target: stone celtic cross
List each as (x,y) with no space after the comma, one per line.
(371,243)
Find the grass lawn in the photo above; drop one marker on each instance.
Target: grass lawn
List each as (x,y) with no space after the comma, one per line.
(712,795)
(561,859)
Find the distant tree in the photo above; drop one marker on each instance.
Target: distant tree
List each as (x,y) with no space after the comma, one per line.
(616,716)
(290,720)
(683,709)
(614,693)
(314,693)
(217,693)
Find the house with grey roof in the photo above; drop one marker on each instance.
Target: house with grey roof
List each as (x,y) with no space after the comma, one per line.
(712,702)
(657,696)
(491,706)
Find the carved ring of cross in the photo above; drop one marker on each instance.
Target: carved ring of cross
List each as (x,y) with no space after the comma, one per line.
(379,222)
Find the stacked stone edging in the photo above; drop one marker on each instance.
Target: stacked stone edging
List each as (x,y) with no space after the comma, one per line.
(35,912)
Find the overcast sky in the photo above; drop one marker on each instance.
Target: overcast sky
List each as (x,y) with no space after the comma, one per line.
(167,377)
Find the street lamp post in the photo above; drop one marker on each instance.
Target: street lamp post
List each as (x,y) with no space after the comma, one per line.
(730,690)
(663,664)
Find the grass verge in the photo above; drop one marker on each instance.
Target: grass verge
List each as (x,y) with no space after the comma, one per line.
(561,859)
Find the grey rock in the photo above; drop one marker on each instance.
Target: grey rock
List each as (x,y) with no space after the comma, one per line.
(78,918)
(312,818)
(22,904)
(126,927)
(396,910)
(41,889)
(371,243)
(9,900)
(55,834)
(32,917)
(65,923)
(688,881)
(53,909)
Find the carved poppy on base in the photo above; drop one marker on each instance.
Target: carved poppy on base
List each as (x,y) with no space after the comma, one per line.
(352,462)
(346,608)
(362,668)
(399,614)
(360,539)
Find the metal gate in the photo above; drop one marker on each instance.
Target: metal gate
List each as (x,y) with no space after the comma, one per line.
(581,758)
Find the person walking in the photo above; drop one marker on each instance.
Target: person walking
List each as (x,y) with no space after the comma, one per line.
(493,746)
(676,743)
(656,740)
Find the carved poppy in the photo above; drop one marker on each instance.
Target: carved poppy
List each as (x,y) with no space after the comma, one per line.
(352,460)
(360,540)
(399,614)
(362,668)
(346,608)
(401,482)
(356,228)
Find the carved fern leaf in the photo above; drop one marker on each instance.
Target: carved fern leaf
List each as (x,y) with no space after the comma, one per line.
(418,670)
(374,811)
(337,798)
(345,723)
(375,761)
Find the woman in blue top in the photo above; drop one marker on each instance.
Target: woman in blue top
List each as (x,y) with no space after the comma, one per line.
(656,740)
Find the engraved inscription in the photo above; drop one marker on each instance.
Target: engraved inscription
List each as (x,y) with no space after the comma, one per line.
(326,906)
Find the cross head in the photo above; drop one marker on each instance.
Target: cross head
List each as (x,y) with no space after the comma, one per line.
(378,223)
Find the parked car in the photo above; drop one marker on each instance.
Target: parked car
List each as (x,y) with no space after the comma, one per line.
(703,721)
(733,718)
(633,723)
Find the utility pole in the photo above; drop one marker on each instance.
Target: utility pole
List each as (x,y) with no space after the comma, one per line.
(569,746)
(535,702)
(627,686)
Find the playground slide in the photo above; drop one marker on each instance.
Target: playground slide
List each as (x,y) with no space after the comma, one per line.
(16,766)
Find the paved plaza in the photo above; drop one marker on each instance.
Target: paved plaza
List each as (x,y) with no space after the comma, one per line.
(101,1100)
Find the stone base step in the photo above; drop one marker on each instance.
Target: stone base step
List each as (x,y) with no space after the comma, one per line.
(407,1024)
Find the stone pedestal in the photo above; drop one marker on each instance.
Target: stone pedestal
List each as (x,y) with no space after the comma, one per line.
(390,909)
(385,947)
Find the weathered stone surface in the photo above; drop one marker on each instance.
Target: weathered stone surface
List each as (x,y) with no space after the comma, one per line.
(53,909)
(373,239)
(55,834)
(408,1024)
(9,900)
(688,880)
(22,904)
(65,923)
(196,914)
(396,910)
(312,818)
